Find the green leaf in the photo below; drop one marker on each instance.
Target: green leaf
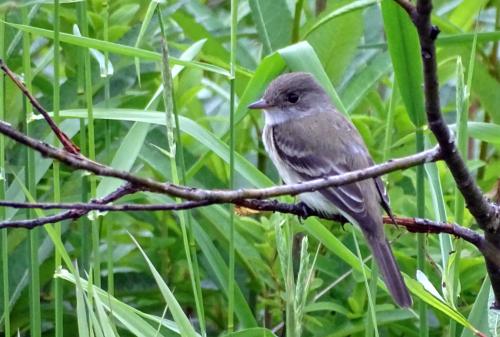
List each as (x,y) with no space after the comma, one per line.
(327,306)
(131,318)
(343,34)
(185,327)
(195,31)
(116,48)
(404,48)
(445,240)
(217,216)
(486,88)
(487,132)
(444,40)
(479,313)
(274,23)
(104,320)
(417,288)
(464,15)
(144,25)
(351,6)
(253,332)
(357,88)
(220,269)
(34,2)
(81,312)
(125,157)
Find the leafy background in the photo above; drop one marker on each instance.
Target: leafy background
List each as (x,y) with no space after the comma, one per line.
(364,52)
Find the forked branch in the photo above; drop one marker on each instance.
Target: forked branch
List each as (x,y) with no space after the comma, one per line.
(485,212)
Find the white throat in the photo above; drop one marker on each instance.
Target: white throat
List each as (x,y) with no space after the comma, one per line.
(277,116)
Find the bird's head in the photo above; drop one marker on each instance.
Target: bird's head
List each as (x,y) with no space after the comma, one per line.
(292,95)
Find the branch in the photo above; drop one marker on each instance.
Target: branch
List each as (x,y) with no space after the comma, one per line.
(485,212)
(72,213)
(65,140)
(219,196)
(77,210)
(99,205)
(414,225)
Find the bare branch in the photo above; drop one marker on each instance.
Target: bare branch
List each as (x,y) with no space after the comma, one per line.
(414,225)
(485,212)
(77,210)
(219,196)
(63,138)
(72,213)
(94,206)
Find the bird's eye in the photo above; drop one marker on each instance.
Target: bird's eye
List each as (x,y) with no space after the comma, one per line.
(292,97)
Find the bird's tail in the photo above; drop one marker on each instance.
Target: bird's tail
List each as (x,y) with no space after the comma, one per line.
(389,269)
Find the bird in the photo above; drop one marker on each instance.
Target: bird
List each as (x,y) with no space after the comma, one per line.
(307,138)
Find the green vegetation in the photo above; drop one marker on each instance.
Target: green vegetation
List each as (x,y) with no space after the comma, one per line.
(101,68)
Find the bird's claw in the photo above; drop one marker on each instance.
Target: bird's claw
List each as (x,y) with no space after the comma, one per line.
(305,211)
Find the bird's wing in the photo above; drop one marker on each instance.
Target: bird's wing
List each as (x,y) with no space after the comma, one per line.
(310,156)
(382,192)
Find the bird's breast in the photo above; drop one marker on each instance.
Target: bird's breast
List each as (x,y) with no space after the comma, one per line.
(285,172)
(314,200)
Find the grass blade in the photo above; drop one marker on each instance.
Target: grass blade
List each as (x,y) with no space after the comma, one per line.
(185,327)
(144,25)
(355,5)
(83,41)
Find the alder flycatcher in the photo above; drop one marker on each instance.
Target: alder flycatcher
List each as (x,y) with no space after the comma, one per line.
(307,138)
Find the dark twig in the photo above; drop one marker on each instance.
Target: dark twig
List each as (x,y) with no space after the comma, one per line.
(485,212)
(93,206)
(77,210)
(414,225)
(72,213)
(63,138)
(219,196)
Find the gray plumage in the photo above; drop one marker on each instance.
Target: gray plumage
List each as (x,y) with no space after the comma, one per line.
(307,138)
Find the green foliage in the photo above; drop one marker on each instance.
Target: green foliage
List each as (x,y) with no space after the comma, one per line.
(356,49)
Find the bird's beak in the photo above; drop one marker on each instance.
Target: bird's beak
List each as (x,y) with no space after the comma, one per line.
(260,104)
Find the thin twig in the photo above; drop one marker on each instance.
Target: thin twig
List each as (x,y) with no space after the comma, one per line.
(414,225)
(72,213)
(93,206)
(63,138)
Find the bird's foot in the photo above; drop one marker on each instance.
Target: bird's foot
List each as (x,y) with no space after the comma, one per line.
(305,211)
